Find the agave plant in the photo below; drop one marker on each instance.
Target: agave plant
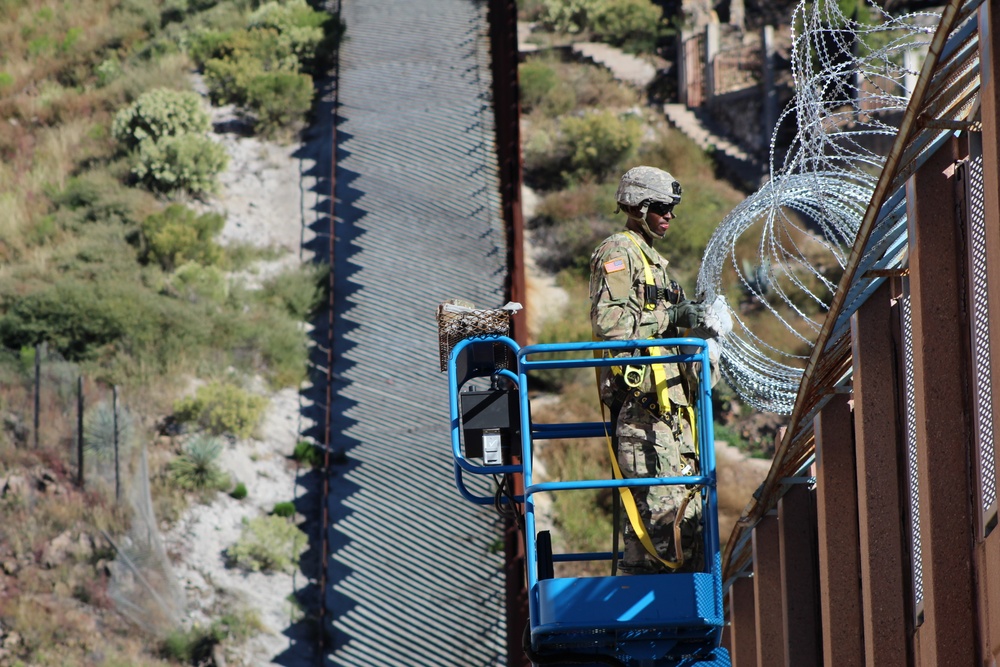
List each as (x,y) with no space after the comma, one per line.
(99,431)
(196,469)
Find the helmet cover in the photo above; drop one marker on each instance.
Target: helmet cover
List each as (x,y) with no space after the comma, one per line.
(647,184)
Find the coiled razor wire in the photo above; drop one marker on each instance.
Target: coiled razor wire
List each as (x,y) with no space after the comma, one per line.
(779,255)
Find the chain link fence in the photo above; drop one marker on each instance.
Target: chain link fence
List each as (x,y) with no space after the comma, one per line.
(83,429)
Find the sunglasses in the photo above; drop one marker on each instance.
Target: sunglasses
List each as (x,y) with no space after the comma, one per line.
(660,208)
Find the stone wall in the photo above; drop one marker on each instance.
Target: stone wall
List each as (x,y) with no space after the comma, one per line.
(739,115)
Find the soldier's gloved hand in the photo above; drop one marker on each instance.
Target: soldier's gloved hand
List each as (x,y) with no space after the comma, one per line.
(718,323)
(687,314)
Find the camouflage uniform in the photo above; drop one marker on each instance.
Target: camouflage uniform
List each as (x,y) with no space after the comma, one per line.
(647,446)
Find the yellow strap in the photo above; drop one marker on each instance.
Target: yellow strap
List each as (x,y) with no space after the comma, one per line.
(645,268)
(628,501)
(660,381)
(659,370)
(694,431)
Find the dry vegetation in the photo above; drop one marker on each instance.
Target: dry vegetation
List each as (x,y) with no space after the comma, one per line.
(121,285)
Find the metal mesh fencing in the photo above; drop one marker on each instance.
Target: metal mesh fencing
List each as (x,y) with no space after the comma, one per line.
(980,332)
(912,462)
(86,427)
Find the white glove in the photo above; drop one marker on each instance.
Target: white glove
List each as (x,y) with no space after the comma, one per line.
(718,322)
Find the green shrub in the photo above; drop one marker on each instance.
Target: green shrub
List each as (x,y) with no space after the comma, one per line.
(227,78)
(6,80)
(97,196)
(84,319)
(239,492)
(308,454)
(222,408)
(300,26)
(195,282)
(268,543)
(599,142)
(197,468)
(159,114)
(284,509)
(177,234)
(185,162)
(278,99)
(537,81)
(635,24)
(299,292)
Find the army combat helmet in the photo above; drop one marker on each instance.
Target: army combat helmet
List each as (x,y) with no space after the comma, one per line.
(642,186)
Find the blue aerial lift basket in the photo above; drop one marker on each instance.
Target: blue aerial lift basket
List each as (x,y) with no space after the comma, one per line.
(667,620)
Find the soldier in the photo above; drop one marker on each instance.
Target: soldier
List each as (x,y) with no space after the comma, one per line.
(632,297)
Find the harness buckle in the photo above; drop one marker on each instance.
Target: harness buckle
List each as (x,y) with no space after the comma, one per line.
(633,375)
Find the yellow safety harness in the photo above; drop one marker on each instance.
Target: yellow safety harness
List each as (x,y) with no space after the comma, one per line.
(632,376)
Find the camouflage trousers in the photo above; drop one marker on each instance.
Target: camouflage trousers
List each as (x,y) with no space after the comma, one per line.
(648,447)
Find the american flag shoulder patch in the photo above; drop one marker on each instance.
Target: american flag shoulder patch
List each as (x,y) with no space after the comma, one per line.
(614,265)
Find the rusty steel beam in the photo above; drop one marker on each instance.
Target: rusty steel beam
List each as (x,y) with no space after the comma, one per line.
(770,490)
(799,574)
(941,408)
(768,612)
(506,110)
(879,441)
(837,534)
(743,623)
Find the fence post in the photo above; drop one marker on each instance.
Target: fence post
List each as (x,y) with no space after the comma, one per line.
(712,37)
(114,410)
(79,431)
(769,110)
(682,65)
(38,388)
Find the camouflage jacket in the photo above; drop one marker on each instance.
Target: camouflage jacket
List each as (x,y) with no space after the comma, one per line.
(617,302)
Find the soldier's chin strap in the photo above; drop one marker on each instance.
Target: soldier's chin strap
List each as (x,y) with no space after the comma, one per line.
(644,213)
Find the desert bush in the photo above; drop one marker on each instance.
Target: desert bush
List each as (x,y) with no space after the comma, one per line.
(632,24)
(267,341)
(197,469)
(544,87)
(195,282)
(178,234)
(599,142)
(159,114)
(187,162)
(537,80)
(268,543)
(298,292)
(635,24)
(239,492)
(300,26)
(284,509)
(83,320)
(278,99)
(308,454)
(220,408)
